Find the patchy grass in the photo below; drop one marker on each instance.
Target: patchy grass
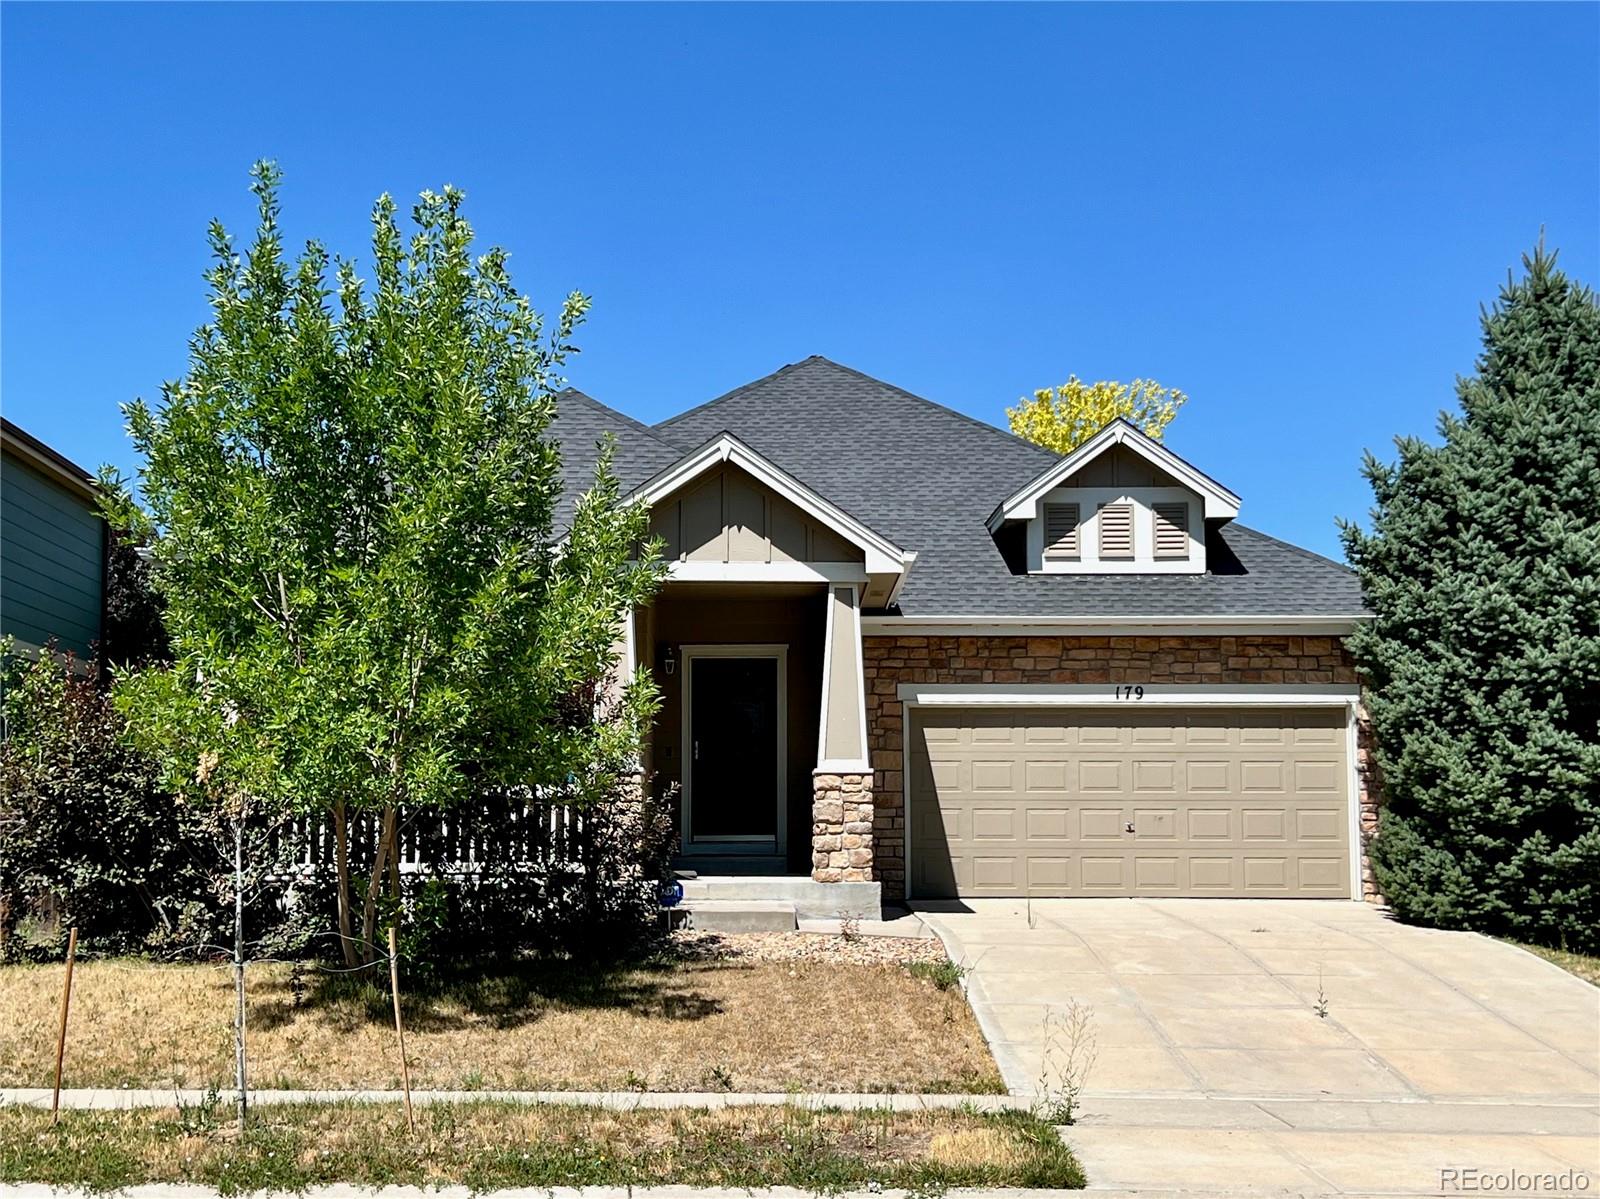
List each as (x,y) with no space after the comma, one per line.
(943,974)
(486,1145)
(672,1024)
(1585,965)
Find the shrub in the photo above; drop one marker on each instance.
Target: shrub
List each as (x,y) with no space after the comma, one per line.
(595,895)
(87,837)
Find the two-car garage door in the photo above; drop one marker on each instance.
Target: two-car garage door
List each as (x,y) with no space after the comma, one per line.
(1156,801)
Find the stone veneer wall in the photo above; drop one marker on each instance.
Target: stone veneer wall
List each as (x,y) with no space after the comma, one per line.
(891,661)
(841,828)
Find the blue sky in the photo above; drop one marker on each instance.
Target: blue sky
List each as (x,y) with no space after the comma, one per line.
(1292,212)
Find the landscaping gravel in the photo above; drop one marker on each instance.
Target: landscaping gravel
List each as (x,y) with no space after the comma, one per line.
(808,947)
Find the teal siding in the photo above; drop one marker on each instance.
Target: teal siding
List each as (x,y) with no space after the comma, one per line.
(52,561)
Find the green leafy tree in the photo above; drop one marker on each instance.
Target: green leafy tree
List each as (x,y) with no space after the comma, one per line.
(368,606)
(1482,662)
(1063,418)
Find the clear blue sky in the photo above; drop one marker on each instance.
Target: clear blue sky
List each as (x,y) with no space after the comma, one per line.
(1292,212)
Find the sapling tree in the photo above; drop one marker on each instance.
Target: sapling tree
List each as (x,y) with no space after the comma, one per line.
(369,606)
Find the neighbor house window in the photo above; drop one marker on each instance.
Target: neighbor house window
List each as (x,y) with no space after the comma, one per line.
(1172,530)
(1116,531)
(1061,531)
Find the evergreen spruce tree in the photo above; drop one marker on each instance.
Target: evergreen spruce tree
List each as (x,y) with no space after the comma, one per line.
(1482,664)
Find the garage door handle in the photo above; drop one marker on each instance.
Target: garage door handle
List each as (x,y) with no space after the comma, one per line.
(1128,828)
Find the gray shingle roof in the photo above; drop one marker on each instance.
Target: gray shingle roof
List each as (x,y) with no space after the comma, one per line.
(927,478)
(580,422)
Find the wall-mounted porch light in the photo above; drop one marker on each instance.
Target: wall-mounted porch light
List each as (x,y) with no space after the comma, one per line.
(669,661)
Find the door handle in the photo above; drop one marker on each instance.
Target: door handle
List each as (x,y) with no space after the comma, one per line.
(697,758)
(1128,828)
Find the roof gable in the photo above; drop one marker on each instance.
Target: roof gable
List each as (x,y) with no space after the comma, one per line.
(1022,504)
(882,555)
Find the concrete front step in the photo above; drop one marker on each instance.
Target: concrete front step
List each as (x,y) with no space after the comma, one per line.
(740,915)
(805,896)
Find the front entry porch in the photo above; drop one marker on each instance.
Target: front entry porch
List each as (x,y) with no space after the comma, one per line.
(762,726)
(755,643)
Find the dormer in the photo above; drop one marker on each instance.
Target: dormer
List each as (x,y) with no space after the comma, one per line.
(1121,503)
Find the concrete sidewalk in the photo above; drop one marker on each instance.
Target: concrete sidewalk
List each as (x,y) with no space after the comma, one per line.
(110,1099)
(28,1190)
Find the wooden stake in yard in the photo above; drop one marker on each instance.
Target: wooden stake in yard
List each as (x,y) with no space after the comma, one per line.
(399,1029)
(61,1035)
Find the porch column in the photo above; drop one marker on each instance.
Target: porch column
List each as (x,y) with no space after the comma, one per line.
(841,801)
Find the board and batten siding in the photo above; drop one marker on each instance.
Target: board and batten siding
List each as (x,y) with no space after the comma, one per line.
(726,516)
(52,561)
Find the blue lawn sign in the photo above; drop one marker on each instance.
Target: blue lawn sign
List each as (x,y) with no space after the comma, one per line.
(671,893)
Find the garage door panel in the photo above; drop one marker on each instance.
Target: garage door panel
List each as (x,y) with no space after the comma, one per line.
(1262,873)
(1321,874)
(1211,875)
(994,776)
(1155,774)
(1101,776)
(1319,824)
(1049,874)
(1261,775)
(999,873)
(1104,875)
(1211,824)
(1048,825)
(995,824)
(1208,775)
(1244,801)
(1100,824)
(1155,824)
(1320,775)
(1045,776)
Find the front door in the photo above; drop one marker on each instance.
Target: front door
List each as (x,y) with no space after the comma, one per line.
(734,751)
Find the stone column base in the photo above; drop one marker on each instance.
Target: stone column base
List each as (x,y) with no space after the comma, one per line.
(841,827)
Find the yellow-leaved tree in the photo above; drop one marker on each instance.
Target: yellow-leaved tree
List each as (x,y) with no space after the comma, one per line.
(1063,418)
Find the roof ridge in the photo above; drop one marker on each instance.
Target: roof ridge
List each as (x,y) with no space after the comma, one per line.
(971,420)
(1298,549)
(635,423)
(727,395)
(884,383)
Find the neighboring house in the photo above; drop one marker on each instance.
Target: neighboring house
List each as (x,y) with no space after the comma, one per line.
(899,647)
(53,548)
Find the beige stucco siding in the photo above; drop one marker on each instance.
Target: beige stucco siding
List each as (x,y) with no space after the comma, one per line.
(726,516)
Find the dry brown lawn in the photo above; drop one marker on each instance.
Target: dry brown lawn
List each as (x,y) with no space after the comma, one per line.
(736,1025)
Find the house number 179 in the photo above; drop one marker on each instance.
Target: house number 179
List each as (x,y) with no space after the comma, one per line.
(1132,691)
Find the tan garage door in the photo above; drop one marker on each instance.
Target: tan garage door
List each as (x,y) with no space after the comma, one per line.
(1161,801)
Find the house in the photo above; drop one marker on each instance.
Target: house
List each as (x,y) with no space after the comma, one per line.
(905,653)
(53,546)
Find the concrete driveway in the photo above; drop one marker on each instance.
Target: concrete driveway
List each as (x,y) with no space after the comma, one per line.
(1250,1047)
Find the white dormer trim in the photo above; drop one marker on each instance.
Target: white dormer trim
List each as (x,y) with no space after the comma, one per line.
(882,556)
(1218,502)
